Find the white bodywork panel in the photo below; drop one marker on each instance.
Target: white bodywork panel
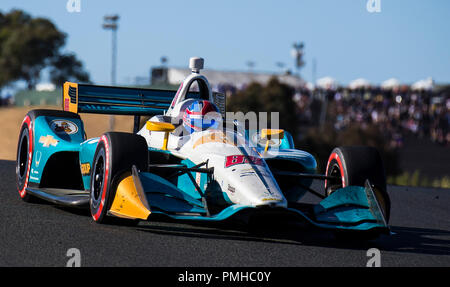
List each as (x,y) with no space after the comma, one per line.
(248,183)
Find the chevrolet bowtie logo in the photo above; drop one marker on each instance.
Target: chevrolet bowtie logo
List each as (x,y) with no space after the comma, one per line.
(48,140)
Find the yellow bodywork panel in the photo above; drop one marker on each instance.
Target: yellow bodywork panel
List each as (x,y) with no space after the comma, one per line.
(272,133)
(268,134)
(127,202)
(161,127)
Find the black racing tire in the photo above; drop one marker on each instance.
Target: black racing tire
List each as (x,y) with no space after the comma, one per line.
(24,159)
(353,165)
(114,157)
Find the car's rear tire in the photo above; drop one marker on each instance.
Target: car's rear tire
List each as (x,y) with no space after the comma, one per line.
(114,157)
(353,165)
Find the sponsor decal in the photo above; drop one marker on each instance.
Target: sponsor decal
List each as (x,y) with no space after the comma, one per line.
(232,160)
(231,189)
(85,168)
(63,127)
(251,172)
(38,158)
(48,140)
(271,199)
(66,104)
(247,173)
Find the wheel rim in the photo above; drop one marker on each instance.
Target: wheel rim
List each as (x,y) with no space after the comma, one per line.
(23,156)
(334,184)
(98,179)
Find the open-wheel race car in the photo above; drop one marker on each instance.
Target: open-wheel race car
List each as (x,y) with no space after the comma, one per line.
(188,162)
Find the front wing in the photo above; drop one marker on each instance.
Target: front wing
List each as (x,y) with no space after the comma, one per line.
(349,208)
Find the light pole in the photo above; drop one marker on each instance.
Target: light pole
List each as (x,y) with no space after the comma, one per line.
(110,23)
(250,65)
(163,60)
(297,54)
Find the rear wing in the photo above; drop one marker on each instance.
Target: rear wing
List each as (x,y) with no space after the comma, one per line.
(81,98)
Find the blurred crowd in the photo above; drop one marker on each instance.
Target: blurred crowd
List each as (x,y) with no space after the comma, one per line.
(398,112)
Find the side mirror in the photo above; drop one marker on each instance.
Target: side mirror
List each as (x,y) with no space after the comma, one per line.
(268,134)
(161,127)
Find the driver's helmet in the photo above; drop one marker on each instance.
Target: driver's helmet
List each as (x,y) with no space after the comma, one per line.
(201,115)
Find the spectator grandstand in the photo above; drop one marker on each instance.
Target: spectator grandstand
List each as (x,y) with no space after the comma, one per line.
(398,112)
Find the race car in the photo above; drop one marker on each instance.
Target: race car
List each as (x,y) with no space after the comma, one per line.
(189,162)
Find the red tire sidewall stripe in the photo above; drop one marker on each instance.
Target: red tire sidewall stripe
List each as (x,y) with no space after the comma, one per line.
(103,139)
(27,121)
(336,157)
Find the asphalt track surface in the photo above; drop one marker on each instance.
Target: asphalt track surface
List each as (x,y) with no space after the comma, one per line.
(41,234)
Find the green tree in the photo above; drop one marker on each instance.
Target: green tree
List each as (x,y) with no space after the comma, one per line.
(67,68)
(247,100)
(273,97)
(28,45)
(279,97)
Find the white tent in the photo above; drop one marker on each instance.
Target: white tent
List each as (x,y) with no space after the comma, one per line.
(359,83)
(45,87)
(309,86)
(327,83)
(390,84)
(425,85)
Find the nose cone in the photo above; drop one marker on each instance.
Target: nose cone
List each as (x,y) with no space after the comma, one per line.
(254,186)
(242,174)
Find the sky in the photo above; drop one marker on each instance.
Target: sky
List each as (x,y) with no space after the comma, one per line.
(406,39)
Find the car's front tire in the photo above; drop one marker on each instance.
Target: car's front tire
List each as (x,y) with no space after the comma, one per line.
(23,160)
(114,157)
(353,165)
